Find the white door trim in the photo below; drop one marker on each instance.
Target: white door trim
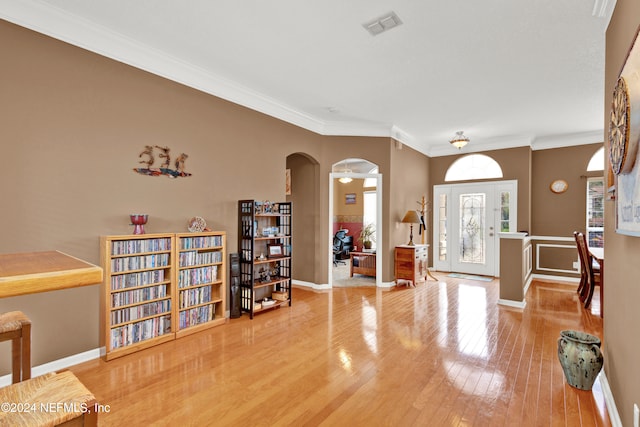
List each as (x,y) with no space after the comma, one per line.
(494,189)
(379,228)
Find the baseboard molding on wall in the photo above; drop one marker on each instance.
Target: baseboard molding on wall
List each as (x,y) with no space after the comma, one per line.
(324,287)
(526,286)
(56,365)
(556,278)
(612,409)
(511,303)
(311,285)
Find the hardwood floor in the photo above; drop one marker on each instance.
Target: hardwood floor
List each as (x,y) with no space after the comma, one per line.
(441,354)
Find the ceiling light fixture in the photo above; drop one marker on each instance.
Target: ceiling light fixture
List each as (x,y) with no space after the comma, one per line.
(346,179)
(459,140)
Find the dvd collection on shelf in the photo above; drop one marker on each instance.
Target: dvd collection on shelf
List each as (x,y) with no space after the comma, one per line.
(133,333)
(140,311)
(139,295)
(154,292)
(191,258)
(125,247)
(197,315)
(195,296)
(132,280)
(139,262)
(197,276)
(202,242)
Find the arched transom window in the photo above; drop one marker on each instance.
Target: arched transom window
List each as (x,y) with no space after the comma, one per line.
(473,166)
(597,161)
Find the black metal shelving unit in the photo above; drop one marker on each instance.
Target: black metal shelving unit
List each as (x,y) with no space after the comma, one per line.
(264,246)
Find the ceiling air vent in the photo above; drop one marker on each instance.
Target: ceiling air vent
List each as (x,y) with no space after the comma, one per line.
(382,24)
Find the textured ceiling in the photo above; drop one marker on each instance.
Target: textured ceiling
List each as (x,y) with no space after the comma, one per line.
(507,73)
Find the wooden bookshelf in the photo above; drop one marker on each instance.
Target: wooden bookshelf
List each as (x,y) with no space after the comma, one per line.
(264,243)
(159,287)
(201,282)
(137,292)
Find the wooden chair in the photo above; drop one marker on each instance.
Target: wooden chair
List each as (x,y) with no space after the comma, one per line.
(16,326)
(58,400)
(589,277)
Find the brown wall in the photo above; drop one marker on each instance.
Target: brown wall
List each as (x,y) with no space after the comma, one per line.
(73,126)
(409,182)
(340,190)
(622,291)
(561,214)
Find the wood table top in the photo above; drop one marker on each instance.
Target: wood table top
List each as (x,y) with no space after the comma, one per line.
(32,272)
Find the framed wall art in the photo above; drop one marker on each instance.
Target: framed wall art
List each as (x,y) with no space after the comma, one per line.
(350,199)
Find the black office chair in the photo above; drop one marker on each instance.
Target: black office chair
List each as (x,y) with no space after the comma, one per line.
(339,250)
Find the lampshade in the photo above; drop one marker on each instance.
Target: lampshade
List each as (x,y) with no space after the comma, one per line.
(411,217)
(459,140)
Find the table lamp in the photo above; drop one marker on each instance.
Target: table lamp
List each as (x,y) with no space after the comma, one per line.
(411,217)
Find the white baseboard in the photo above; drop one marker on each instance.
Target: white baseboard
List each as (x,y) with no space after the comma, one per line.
(526,286)
(556,278)
(325,287)
(56,365)
(612,409)
(511,303)
(311,285)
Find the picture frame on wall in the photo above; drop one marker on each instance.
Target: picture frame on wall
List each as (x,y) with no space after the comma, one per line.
(350,199)
(287,185)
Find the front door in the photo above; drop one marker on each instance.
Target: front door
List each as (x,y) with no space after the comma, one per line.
(467,221)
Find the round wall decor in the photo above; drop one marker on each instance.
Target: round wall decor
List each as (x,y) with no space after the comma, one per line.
(559,186)
(619,124)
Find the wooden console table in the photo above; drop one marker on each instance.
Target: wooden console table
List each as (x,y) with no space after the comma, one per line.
(366,263)
(33,272)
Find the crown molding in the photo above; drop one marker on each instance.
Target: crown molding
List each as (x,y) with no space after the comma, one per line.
(74,30)
(61,25)
(513,141)
(604,9)
(568,140)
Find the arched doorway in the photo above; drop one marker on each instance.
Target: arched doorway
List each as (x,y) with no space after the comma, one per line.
(303,171)
(355,203)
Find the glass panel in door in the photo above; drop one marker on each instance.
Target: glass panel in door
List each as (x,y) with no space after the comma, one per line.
(472,244)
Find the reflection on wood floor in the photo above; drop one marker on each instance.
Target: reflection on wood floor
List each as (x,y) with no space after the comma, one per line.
(441,354)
